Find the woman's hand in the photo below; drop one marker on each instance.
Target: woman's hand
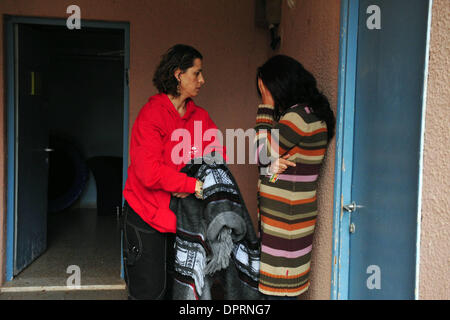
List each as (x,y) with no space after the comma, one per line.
(199,189)
(181,195)
(265,94)
(281,164)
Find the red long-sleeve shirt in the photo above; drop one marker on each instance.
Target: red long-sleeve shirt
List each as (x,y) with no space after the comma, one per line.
(157,154)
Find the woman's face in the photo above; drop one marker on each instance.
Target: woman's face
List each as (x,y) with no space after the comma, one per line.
(191,80)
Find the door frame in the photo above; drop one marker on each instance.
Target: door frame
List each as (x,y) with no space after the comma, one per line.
(340,274)
(10,23)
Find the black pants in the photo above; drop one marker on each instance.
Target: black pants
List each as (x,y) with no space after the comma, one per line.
(147,257)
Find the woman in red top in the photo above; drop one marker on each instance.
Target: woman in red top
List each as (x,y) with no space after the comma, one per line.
(153,174)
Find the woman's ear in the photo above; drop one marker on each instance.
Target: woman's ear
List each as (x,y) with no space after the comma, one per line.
(177,74)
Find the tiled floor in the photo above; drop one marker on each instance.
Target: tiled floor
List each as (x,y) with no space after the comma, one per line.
(76,237)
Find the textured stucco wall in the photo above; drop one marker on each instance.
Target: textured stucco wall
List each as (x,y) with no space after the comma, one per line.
(310,34)
(435,228)
(222,30)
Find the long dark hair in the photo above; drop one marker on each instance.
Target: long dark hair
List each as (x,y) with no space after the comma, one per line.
(180,56)
(290,83)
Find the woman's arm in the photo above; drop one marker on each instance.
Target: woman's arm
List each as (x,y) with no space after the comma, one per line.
(264,136)
(146,156)
(273,140)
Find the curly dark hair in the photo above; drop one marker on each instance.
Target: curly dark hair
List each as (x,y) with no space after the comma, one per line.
(180,56)
(290,83)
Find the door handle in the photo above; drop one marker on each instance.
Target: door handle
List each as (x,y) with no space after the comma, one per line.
(48,149)
(352,207)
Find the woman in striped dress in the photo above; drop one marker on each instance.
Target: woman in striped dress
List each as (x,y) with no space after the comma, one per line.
(289,158)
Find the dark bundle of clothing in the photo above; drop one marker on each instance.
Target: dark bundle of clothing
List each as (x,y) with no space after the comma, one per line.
(215,241)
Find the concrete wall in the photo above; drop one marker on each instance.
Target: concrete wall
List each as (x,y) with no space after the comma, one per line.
(310,34)
(435,233)
(222,30)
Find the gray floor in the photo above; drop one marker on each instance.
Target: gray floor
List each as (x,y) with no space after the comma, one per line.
(76,237)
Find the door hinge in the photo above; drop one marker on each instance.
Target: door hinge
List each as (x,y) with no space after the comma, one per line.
(127,76)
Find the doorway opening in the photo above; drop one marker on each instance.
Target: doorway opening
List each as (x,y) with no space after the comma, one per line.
(68,120)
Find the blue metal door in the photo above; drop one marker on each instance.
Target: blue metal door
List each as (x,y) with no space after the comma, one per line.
(387,133)
(32,61)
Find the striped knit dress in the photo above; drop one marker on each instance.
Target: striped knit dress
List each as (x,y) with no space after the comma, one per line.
(287,203)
